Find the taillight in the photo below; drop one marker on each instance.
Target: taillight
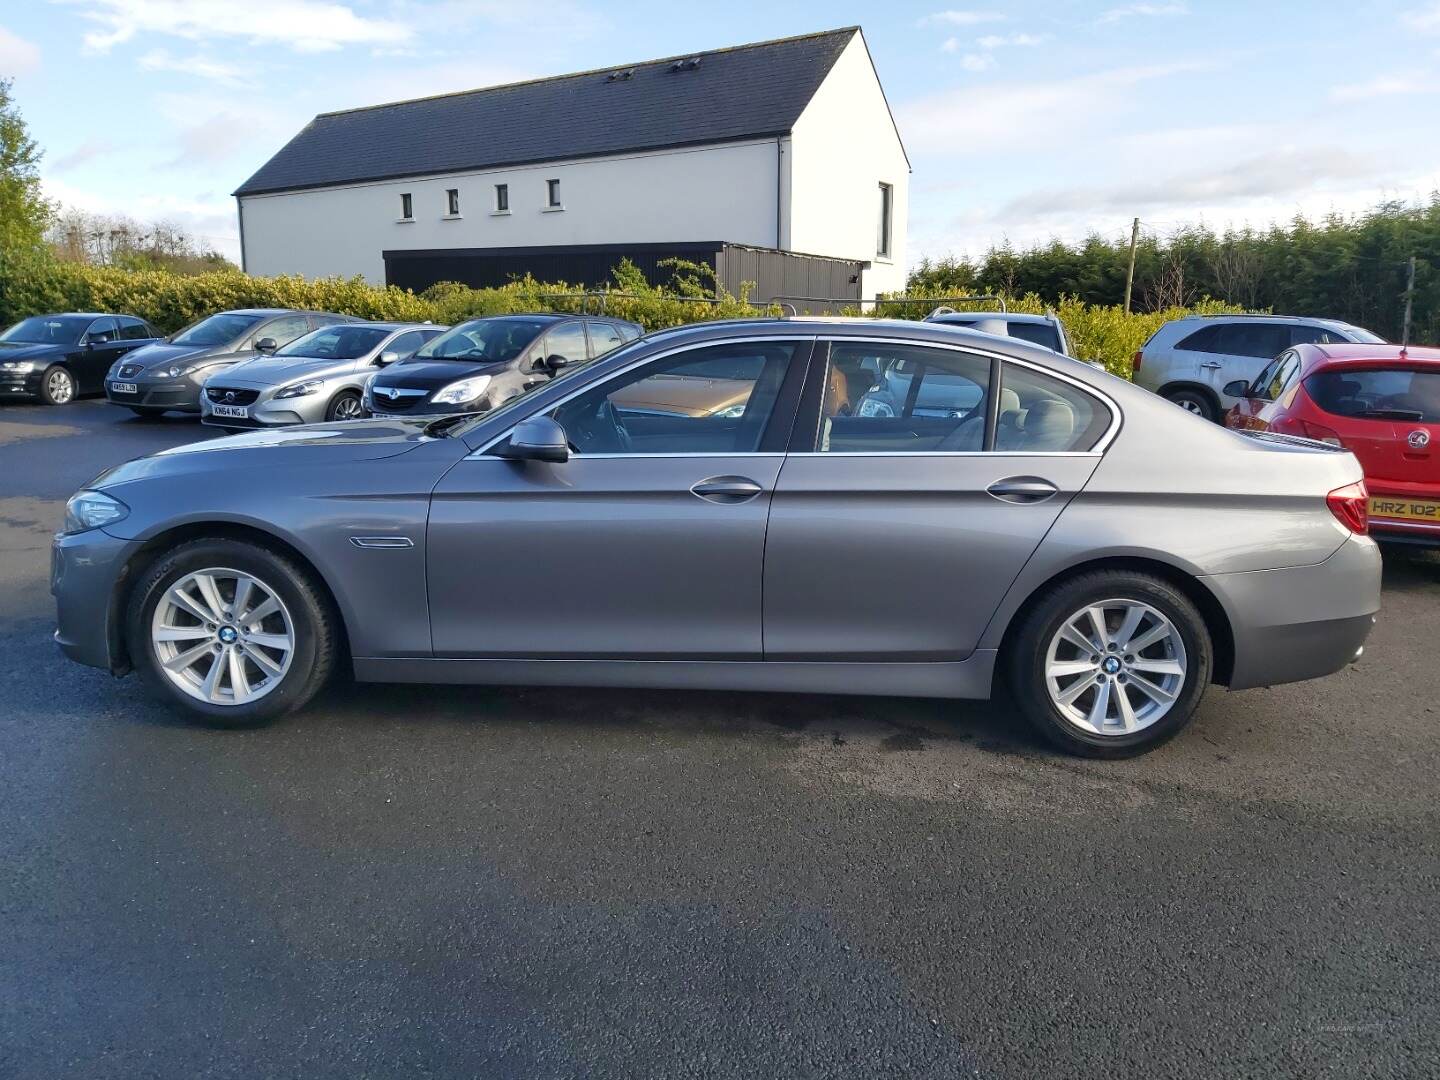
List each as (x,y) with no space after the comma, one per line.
(1135,360)
(1294,425)
(1351,507)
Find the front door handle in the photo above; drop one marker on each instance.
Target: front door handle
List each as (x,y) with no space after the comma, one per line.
(1212,364)
(727,489)
(1022,489)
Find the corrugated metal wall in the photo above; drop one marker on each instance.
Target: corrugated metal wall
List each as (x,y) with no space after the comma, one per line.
(775,273)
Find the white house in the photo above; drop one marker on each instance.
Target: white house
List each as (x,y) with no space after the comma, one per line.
(777,162)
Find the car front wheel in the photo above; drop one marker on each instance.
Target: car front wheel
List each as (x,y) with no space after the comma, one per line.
(233,631)
(57,386)
(1111,664)
(345,406)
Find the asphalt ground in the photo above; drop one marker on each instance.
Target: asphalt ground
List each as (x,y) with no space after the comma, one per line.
(458,881)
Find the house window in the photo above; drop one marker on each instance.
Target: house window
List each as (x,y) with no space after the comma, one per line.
(882,235)
(407,207)
(502,198)
(452,202)
(552,194)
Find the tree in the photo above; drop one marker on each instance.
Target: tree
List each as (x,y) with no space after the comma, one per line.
(24,211)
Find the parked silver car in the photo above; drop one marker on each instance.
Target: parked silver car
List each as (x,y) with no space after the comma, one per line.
(320,376)
(1190,361)
(1044,330)
(1106,553)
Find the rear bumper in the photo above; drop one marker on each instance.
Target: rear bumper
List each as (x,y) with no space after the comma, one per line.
(85,572)
(1301,622)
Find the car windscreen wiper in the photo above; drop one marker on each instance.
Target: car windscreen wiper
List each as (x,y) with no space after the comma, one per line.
(443,425)
(1391,414)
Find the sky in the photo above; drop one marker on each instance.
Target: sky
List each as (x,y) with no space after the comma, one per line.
(1024,121)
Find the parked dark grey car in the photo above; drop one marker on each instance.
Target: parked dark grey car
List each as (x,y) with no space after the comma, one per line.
(167,375)
(1109,554)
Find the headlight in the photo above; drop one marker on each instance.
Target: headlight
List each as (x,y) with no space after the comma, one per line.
(301,389)
(462,392)
(175,372)
(876,407)
(92,509)
(18,366)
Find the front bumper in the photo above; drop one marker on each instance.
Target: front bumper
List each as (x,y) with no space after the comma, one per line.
(87,571)
(20,384)
(172,395)
(270,412)
(1301,622)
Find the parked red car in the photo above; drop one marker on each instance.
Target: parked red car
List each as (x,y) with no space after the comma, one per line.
(1381,402)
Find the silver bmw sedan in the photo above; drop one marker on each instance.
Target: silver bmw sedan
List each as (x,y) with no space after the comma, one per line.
(320,376)
(734,506)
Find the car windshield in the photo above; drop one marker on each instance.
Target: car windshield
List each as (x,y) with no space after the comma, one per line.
(216,330)
(48,330)
(1364,337)
(1378,393)
(1037,334)
(336,342)
(488,340)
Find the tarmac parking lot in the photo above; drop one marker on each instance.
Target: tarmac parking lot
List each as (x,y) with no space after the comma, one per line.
(548,883)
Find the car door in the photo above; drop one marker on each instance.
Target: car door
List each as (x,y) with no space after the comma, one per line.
(648,543)
(99,348)
(1241,351)
(894,535)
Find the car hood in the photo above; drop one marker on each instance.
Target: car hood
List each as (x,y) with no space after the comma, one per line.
(272,370)
(277,449)
(433,374)
(162,352)
(17,350)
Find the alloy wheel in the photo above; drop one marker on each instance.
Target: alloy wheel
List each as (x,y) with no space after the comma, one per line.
(1191,406)
(223,636)
(347,408)
(1115,667)
(60,386)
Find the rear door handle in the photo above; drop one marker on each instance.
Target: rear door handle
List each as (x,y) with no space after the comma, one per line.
(1022,489)
(727,489)
(1212,364)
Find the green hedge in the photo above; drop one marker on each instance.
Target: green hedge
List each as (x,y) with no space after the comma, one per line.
(170,301)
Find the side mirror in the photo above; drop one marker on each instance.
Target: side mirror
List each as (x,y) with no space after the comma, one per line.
(266,345)
(1238,388)
(554,362)
(540,438)
(389,356)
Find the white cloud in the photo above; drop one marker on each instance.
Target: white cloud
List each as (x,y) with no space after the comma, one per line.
(86,152)
(200,66)
(1425,20)
(961,18)
(977,62)
(17,56)
(1130,11)
(300,25)
(1000,41)
(1413,82)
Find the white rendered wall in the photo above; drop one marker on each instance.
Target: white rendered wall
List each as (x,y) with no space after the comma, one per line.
(843,146)
(725,192)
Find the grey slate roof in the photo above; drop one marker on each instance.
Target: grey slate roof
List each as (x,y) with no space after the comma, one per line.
(742,92)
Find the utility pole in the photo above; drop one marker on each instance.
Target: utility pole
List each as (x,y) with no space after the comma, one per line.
(1130,274)
(1409,304)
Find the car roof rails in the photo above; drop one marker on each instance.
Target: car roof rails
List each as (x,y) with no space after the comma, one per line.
(855,301)
(603,296)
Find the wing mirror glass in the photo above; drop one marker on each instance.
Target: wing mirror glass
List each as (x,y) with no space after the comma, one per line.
(554,362)
(266,345)
(1238,388)
(540,438)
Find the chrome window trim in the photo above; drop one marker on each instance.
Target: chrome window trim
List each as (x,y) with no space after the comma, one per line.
(691,347)
(1098,450)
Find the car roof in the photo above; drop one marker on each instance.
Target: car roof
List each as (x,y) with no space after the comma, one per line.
(1345,353)
(1007,316)
(1259,316)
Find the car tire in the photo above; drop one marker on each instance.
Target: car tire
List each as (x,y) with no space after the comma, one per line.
(1195,401)
(285,679)
(345,405)
(57,385)
(1044,664)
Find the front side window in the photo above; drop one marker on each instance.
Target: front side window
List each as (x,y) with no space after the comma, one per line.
(487,340)
(452,201)
(407,206)
(1277,377)
(712,400)
(882,398)
(216,330)
(882,238)
(284,330)
(566,343)
(134,330)
(552,193)
(102,330)
(343,342)
(502,198)
(406,343)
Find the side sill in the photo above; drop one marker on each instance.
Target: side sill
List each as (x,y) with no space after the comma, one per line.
(968,678)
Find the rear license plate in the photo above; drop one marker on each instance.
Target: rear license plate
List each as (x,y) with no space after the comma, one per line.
(239,412)
(124,388)
(1405,509)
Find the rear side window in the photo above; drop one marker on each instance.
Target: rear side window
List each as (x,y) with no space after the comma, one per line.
(1314,335)
(886,399)
(604,337)
(134,330)
(1378,393)
(1258,339)
(1202,340)
(1040,414)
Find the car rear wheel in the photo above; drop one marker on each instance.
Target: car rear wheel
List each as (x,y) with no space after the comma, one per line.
(345,406)
(1194,401)
(232,631)
(57,386)
(1111,664)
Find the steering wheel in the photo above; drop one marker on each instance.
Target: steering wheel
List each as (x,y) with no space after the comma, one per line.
(597,430)
(611,416)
